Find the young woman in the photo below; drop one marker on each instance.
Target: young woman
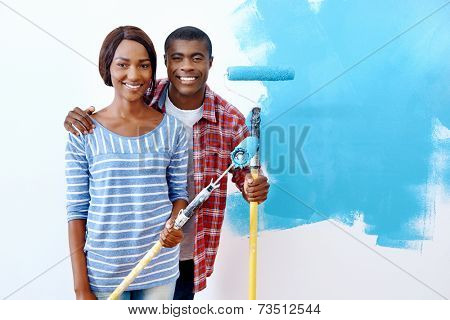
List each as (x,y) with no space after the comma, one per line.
(126,182)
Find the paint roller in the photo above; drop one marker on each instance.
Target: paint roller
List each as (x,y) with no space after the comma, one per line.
(260,73)
(256,73)
(240,158)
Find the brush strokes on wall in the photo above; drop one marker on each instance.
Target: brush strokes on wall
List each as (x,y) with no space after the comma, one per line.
(377,143)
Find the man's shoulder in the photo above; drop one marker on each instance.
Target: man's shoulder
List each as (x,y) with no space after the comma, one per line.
(160,85)
(226,108)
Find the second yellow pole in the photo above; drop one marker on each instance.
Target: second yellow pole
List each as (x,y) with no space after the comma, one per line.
(253,243)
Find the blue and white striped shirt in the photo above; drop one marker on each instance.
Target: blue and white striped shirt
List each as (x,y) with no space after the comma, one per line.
(124,187)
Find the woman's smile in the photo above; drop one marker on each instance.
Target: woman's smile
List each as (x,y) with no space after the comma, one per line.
(132,86)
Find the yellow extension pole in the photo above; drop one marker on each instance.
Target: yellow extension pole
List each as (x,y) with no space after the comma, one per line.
(183,216)
(253,241)
(136,271)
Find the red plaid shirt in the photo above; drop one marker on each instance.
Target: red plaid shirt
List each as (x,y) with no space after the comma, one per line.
(221,128)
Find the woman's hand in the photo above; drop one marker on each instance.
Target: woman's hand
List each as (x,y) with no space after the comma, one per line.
(170,236)
(85,295)
(81,120)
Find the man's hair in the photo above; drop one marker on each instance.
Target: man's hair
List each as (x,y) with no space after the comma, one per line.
(189,33)
(112,41)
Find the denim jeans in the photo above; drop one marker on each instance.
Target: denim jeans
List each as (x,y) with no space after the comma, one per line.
(164,292)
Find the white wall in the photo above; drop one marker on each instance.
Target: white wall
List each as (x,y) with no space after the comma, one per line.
(41,79)
(329,260)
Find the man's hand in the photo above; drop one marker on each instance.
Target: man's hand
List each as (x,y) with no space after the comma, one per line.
(255,190)
(170,236)
(85,295)
(81,120)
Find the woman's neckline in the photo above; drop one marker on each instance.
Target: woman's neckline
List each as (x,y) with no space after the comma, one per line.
(130,137)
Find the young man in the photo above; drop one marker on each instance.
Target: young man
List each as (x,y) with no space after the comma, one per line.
(215,128)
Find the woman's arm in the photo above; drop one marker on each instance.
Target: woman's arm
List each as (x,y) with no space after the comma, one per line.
(77,233)
(78,198)
(170,237)
(177,184)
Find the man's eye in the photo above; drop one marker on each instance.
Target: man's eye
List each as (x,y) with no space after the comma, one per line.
(197,59)
(176,58)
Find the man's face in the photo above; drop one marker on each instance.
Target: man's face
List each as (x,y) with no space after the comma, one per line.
(188,63)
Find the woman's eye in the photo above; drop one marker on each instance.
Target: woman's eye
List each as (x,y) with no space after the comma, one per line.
(145,66)
(122,65)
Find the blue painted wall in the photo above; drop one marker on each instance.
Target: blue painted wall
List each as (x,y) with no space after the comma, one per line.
(370,142)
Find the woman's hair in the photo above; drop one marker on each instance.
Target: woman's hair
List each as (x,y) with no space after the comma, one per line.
(112,41)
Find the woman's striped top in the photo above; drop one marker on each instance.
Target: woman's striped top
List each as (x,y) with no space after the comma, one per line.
(124,187)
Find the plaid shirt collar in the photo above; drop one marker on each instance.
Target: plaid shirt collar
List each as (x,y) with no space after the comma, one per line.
(162,87)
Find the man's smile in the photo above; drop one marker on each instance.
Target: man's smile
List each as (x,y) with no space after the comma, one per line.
(187,79)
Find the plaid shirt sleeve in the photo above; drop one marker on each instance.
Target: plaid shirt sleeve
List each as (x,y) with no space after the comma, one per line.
(240,133)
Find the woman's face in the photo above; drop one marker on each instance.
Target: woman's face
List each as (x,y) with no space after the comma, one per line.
(131,71)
